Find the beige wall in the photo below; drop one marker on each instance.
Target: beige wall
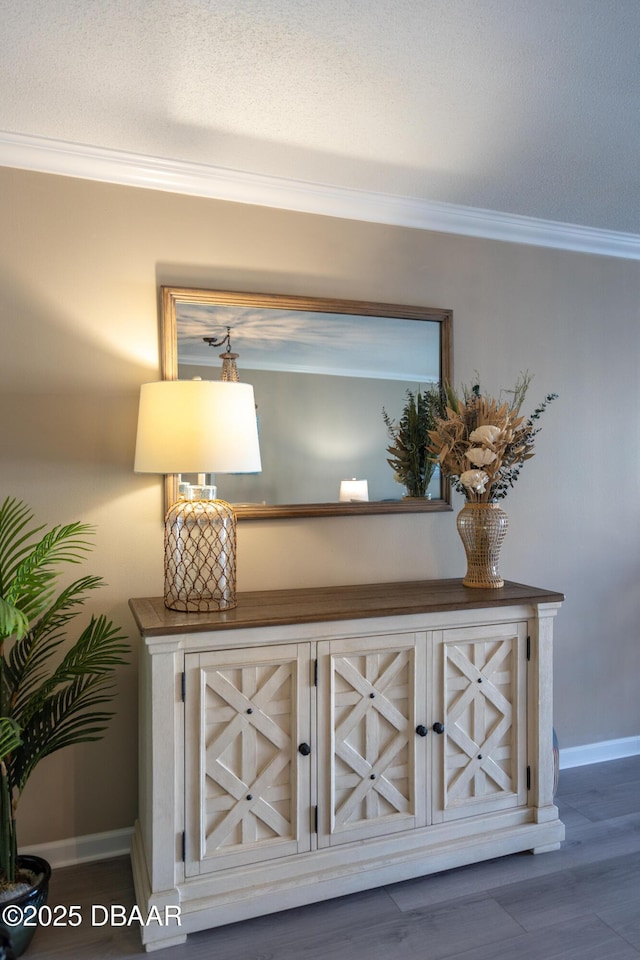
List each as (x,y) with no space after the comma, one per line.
(80,265)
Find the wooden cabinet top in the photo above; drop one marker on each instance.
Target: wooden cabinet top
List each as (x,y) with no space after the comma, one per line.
(266,608)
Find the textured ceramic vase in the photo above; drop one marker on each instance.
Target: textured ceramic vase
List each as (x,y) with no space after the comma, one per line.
(482,528)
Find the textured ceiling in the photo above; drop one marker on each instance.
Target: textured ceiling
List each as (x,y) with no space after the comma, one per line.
(528,107)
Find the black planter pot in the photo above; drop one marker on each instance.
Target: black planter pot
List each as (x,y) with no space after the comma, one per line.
(6,951)
(28,904)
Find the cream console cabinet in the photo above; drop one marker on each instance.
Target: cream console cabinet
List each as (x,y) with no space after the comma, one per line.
(312,743)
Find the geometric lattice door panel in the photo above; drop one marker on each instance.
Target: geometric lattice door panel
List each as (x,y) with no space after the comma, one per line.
(248,787)
(371,765)
(483,763)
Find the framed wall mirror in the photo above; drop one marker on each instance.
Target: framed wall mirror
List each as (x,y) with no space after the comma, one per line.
(322,371)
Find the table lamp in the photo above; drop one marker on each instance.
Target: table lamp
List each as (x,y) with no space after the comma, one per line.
(198,426)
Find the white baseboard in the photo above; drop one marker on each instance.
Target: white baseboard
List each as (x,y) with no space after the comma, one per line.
(599,752)
(116,843)
(93,846)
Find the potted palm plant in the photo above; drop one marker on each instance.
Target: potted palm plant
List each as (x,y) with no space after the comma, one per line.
(52,694)
(409,457)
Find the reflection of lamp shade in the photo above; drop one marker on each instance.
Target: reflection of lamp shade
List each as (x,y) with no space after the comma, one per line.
(198,426)
(354,490)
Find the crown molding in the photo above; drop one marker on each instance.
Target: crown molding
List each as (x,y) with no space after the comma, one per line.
(202,180)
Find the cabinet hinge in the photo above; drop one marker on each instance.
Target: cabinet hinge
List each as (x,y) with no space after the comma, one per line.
(528,778)
(315,673)
(183,686)
(184,847)
(528,648)
(315,819)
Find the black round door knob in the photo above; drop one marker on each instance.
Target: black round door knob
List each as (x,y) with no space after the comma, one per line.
(304,749)
(421,730)
(438,727)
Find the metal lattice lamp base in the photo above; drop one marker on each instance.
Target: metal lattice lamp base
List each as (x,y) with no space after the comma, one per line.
(200,556)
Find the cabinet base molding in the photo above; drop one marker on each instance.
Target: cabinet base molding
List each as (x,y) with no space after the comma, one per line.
(316,743)
(241,894)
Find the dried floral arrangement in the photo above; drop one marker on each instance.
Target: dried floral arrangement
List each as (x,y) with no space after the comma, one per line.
(482,442)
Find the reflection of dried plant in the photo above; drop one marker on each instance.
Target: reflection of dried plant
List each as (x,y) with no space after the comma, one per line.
(482,443)
(409,459)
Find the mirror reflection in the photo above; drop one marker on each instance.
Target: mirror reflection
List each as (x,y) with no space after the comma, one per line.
(322,371)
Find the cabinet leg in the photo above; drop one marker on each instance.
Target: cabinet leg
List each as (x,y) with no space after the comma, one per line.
(546,848)
(169,942)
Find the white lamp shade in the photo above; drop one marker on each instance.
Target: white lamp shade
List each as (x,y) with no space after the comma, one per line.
(197,426)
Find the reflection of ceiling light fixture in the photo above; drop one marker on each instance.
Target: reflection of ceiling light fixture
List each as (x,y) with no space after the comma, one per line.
(229,369)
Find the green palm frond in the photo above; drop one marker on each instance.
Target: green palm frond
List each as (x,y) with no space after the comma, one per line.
(28,661)
(12,620)
(14,517)
(97,651)
(63,708)
(9,736)
(99,648)
(49,699)
(28,568)
(68,716)
(33,582)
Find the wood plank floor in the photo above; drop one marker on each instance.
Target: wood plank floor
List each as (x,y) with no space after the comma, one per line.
(579,903)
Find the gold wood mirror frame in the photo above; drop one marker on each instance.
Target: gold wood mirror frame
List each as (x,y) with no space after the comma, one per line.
(264,330)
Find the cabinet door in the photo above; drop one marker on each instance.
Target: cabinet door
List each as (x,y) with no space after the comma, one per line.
(247,785)
(371,777)
(480,757)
